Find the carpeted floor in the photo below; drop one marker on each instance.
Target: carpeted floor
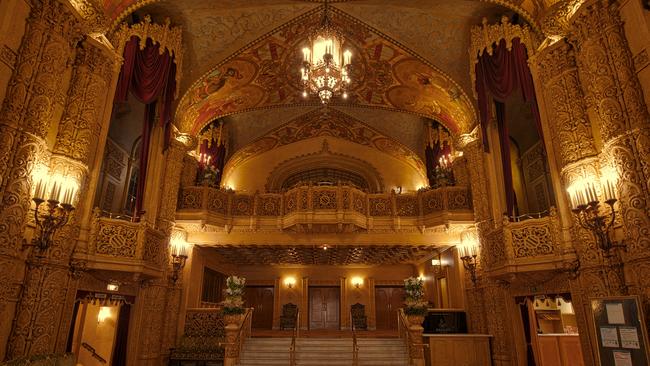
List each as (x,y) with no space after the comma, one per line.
(263,333)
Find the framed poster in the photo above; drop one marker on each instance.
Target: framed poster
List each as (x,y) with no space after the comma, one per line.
(620,331)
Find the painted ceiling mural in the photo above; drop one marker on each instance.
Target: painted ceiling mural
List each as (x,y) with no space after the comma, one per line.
(335,124)
(384,75)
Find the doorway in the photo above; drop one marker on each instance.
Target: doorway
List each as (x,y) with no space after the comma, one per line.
(388,299)
(550,330)
(324,308)
(260,298)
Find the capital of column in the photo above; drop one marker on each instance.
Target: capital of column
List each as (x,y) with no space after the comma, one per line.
(555,22)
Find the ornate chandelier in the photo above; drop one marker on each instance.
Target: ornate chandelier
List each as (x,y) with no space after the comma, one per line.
(326,66)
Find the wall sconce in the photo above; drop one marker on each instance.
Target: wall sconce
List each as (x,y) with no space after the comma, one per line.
(103,314)
(468,251)
(290,282)
(179,249)
(58,193)
(357,282)
(113,286)
(586,206)
(437,266)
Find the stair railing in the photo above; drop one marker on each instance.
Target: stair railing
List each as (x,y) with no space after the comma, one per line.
(414,348)
(292,348)
(355,345)
(233,349)
(94,354)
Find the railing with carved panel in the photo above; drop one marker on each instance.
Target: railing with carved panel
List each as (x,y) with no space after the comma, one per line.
(116,243)
(203,339)
(342,205)
(526,245)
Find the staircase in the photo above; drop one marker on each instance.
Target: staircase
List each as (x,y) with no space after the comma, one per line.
(324,352)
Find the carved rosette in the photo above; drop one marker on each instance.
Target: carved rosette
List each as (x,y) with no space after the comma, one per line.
(614,93)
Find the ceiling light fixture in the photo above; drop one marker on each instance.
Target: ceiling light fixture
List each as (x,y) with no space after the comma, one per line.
(326,66)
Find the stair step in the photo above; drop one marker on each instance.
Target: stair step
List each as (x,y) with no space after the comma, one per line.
(324,352)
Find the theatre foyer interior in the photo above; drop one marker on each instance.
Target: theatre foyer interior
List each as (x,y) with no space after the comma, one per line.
(324,182)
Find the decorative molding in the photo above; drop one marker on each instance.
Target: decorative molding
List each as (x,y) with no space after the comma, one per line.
(8,56)
(641,60)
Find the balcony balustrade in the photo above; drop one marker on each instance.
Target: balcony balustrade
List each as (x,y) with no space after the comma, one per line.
(344,208)
(525,246)
(123,245)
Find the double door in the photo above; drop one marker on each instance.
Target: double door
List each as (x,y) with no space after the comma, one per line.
(388,300)
(260,298)
(324,307)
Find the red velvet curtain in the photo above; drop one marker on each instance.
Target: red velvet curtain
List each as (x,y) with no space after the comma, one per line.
(150,76)
(498,76)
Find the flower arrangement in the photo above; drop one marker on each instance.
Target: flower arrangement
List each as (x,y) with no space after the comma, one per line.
(233,304)
(415,304)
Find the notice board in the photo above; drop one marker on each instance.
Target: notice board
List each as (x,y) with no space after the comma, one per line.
(620,331)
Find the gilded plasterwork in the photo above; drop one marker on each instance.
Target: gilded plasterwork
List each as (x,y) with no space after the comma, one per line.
(316,123)
(384,75)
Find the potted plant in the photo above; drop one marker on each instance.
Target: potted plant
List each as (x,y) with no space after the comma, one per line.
(233,304)
(415,305)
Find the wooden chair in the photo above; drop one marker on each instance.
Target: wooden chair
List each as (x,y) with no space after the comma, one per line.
(359,318)
(289,316)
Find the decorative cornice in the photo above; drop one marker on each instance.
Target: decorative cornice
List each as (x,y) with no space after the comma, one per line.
(169,38)
(555,21)
(92,14)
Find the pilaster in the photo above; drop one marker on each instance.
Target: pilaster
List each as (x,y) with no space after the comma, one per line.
(614,95)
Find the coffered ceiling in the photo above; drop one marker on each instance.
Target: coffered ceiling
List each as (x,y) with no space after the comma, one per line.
(246,255)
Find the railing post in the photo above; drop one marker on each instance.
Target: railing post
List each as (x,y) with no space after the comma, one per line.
(232,346)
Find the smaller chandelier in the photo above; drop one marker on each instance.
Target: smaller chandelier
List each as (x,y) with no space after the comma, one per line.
(326,67)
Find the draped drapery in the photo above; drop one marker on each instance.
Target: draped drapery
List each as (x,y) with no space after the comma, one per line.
(150,76)
(497,77)
(433,152)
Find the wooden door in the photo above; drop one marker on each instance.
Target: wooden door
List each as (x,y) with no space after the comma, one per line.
(324,307)
(260,298)
(387,301)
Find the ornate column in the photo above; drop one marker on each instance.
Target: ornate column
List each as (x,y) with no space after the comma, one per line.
(27,111)
(614,94)
(47,309)
(473,153)
(25,118)
(572,139)
(176,152)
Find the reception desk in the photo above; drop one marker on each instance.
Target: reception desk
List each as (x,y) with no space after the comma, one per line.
(458,349)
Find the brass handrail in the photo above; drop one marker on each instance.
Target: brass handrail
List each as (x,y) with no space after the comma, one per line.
(292,348)
(355,345)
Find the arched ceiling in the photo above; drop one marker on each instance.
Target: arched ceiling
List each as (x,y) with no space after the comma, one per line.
(334,124)
(384,75)
(241,60)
